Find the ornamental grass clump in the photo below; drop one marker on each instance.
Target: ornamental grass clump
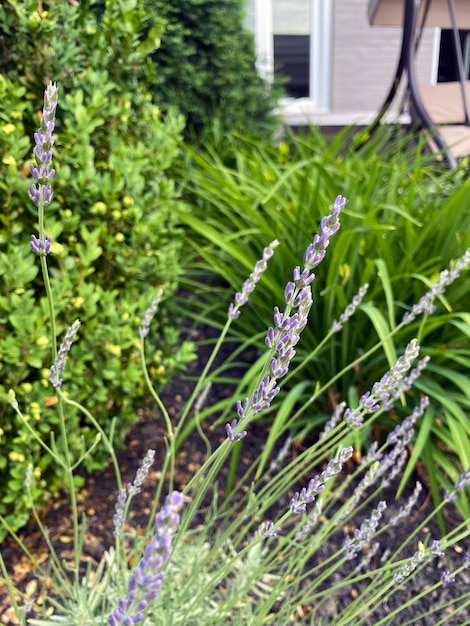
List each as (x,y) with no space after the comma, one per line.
(310,533)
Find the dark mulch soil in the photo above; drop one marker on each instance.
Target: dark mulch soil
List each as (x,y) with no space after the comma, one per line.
(97,499)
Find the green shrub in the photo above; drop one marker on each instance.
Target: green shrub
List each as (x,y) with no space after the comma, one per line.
(407,218)
(206,68)
(112,219)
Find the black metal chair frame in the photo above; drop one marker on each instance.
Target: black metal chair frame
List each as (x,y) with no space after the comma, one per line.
(410,41)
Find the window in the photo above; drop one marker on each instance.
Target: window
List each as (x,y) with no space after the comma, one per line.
(294,38)
(448,66)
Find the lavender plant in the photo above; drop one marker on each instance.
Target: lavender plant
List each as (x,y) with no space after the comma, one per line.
(299,540)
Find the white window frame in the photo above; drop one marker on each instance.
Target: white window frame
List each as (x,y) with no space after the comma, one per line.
(321,56)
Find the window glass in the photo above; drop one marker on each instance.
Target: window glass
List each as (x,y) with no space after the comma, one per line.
(448,66)
(291,29)
(291,17)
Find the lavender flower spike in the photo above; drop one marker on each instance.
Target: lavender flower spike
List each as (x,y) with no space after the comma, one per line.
(350,309)
(41,192)
(329,225)
(147,578)
(405,510)
(298,504)
(385,390)
(41,247)
(129,491)
(149,314)
(241,298)
(285,333)
(447,277)
(364,534)
(61,359)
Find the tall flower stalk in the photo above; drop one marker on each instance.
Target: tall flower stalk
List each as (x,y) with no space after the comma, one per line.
(282,338)
(40,193)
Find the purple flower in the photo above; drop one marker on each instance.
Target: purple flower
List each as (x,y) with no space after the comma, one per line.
(410,566)
(350,309)
(447,577)
(131,490)
(435,548)
(241,298)
(234,436)
(329,225)
(61,359)
(147,578)
(41,247)
(364,534)
(462,482)
(446,277)
(288,326)
(405,510)
(269,530)
(387,388)
(386,466)
(298,503)
(311,521)
(41,192)
(334,420)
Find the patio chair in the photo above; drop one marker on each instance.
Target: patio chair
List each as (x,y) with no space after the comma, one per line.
(441,110)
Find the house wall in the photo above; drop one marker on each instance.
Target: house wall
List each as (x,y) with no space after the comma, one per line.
(365,58)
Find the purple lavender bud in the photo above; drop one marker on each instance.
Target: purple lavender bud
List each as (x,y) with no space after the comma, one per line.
(61,359)
(385,390)
(310,523)
(41,247)
(233,313)
(273,334)
(447,577)
(147,577)
(269,530)
(463,481)
(303,296)
(364,534)
(118,517)
(241,409)
(328,227)
(277,317)
(435,548)
(315,484)
(44,140)
(307,495)
(302,279)
(446,278)
(46,194)
(230,434)
(354,419)
(278,370)
(241,298)
(289,292)
(297,505)
(405,510)
(335,419)
(34,194)
(350,309)
(401,430)
(368,402)
(409,567)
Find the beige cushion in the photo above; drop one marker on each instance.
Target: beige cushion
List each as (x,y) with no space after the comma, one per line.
(443,102)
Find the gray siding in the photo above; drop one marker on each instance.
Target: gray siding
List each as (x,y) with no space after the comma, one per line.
(365,58)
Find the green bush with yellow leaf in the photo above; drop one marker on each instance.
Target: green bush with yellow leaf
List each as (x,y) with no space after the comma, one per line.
(115,238)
